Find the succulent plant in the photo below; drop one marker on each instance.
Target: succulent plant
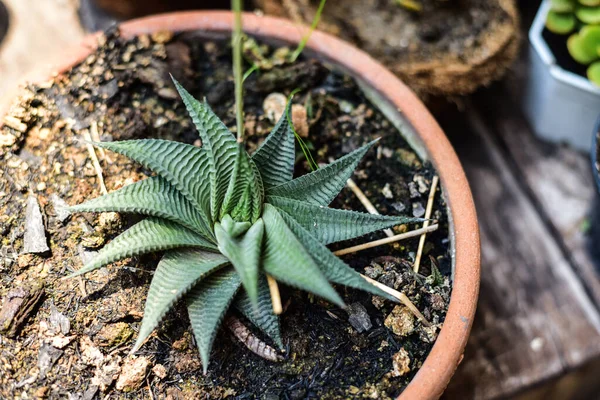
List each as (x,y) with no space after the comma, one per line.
(581,19)
(226,219)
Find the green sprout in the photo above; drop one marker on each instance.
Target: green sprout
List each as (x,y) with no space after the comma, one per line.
(581,19)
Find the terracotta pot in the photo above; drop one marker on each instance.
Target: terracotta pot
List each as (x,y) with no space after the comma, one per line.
(400,105)
(403,44)
(125,9)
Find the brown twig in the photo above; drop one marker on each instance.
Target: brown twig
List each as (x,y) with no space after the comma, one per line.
(360,195)
(253,343)
(387,240)
(401,297)
(275,296)
(434,184)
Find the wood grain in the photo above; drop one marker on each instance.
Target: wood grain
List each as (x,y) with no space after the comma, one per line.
(535,321)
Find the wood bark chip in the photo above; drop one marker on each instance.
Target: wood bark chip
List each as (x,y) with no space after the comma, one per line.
(18,305)
(253,343)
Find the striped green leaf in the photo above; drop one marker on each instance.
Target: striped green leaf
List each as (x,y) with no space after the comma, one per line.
(288,261)
(207,304)
(329,225)
(184,166)
(245,192)
(154,197)
(244,253)
(261,316)
(321,186)
(219,143)
(177,272)
(275,157)
(332,267)
(149,235)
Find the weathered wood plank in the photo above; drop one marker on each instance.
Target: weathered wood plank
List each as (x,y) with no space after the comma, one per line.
(559,179)
(535,320)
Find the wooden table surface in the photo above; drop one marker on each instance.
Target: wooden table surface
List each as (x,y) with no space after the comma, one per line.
(537,330)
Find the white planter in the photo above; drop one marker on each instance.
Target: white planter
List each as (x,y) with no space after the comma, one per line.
(560,106)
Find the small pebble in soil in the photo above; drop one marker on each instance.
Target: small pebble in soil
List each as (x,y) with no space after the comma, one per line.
(274,106)
(400,363)
(418,210)
(35,233)
(412,189)
(358,317)
(387,191)
(159,371)
(132,374)
(60,207)
(58,322)
(107,373)
(401,321)
(47,356)
(114,334)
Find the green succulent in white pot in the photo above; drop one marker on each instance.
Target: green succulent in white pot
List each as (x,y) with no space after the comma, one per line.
(561,100)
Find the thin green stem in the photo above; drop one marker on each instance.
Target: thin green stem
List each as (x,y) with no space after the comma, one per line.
(236,6)
(313,26)
(249,72)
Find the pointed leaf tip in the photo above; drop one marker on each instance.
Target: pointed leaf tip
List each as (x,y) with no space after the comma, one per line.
(320,187)
(286,259)
(177,272)
(207,305)
(276,156)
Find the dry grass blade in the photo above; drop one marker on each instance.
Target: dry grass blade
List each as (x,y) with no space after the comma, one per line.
(360,195)
(95,161)
(275,296)
(392,239)
(401,297)
(428,210)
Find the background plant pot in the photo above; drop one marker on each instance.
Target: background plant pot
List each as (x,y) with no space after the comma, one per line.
(595,153)
(411,117)
(561,106)
(100,14)
(449,48)
(3,21)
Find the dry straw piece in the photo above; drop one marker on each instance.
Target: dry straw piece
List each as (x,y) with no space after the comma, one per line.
(428,210)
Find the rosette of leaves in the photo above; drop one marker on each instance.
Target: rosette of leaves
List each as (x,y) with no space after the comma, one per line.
(225,219)
(581,19)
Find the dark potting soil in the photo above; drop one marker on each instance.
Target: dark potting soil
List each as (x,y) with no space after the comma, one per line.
(558,47)
(72,337)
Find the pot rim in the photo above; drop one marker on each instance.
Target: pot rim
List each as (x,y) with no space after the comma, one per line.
(447,352)
(541,48)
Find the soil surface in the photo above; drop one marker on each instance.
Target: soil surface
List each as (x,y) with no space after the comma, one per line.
(71,338)
(558,47)
(449,47)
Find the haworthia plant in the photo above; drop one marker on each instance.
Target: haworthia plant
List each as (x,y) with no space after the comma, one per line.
(226,219)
